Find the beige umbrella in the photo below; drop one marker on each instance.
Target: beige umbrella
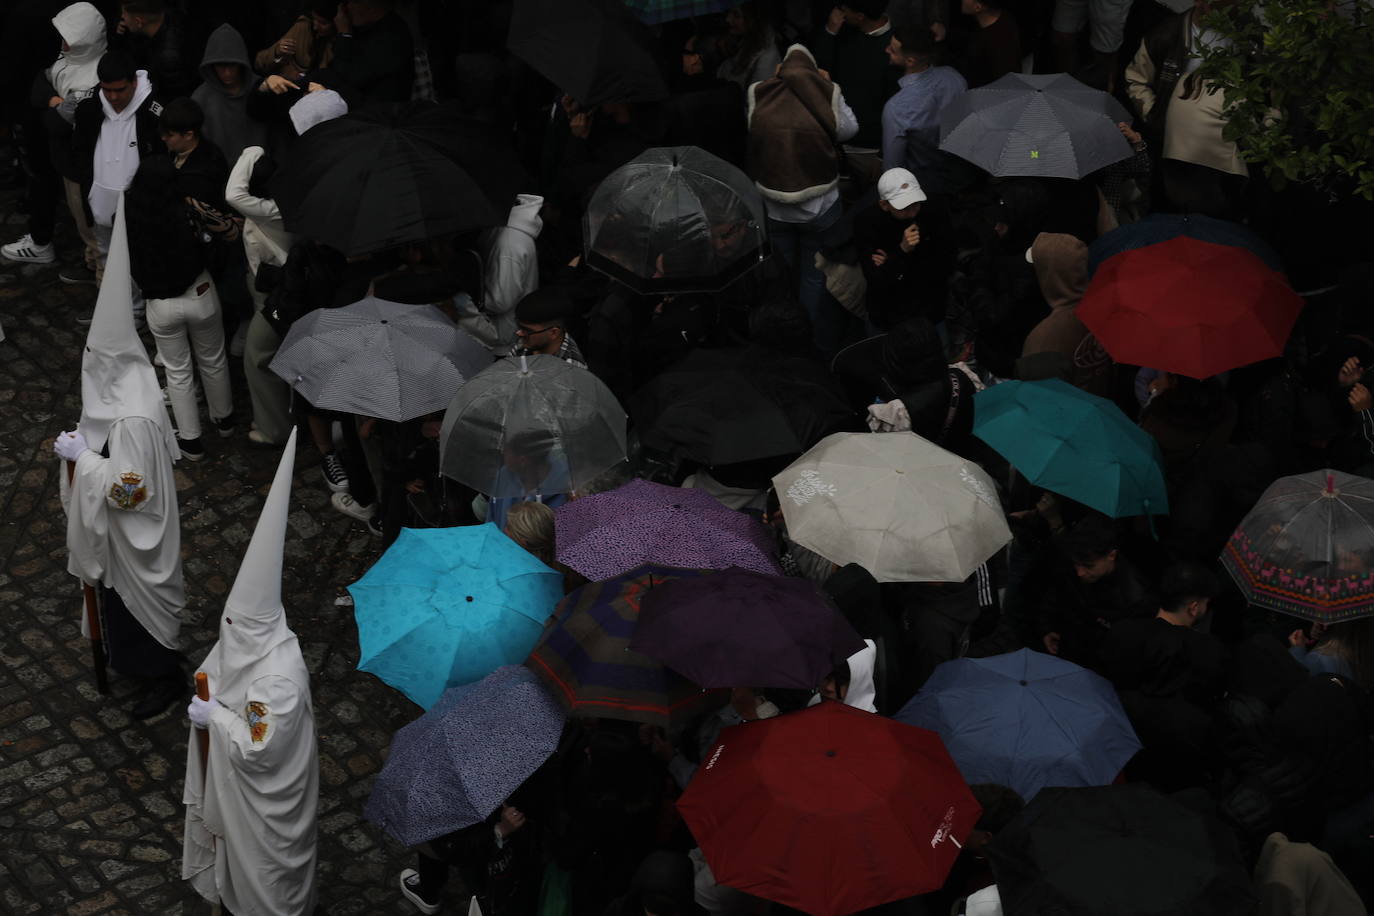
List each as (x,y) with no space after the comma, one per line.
(898,505)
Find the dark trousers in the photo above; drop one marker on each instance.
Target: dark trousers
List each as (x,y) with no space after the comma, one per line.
(130,648)
(44,183)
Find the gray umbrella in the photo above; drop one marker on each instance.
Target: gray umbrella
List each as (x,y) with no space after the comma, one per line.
(1044,126)
(531,425)
(378,359)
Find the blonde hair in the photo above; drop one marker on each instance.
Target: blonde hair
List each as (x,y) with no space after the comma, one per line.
(530,524)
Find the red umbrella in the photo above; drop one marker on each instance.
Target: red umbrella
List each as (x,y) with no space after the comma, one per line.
(829,810)
(1190,307)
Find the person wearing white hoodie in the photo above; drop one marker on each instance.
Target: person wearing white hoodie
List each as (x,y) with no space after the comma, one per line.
(512,273)
(114,128)
(70,80)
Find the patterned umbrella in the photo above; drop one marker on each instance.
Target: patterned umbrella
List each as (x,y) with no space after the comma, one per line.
(1041,125)
(457,763)
(379,359)
(532,424)
(652,12)
(1307,547)
(585,659)
(447,606)
(736,628)
(607,534)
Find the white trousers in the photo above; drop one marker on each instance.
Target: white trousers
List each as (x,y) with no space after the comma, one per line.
(187,324)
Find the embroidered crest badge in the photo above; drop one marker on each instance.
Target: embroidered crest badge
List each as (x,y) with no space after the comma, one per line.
(129,491)
(257,721)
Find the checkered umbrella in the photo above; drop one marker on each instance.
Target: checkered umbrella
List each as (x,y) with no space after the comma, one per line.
(1040,125)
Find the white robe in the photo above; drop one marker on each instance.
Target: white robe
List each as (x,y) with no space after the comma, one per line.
(250,831)
(123,530)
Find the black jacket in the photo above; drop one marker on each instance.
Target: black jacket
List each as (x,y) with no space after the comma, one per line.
(171,57)
(374,64)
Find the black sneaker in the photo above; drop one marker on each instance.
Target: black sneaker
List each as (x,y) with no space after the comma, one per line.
(77,276)
(225,426)
(159,694)
(191,449)
(334,474)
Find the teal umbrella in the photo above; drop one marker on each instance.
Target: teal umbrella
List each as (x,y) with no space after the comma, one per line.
(1075,444)
(448,606)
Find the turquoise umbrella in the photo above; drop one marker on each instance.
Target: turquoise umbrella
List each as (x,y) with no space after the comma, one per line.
(1075,444)
(448,606)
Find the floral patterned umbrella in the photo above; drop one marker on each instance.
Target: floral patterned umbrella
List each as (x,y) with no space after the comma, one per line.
(899,506)
(1307,547)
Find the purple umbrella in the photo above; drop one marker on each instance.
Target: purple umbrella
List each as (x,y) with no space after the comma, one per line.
(457,763)
(610,533)
(739,628)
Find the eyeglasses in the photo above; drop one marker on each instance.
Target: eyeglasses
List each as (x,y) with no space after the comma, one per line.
(524,330)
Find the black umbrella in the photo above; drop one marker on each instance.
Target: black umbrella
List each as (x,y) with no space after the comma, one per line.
(397,174)
(675,220)
(1125,850)
(594,50)
(725,407)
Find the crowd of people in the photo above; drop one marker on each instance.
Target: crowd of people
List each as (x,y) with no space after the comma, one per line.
(897,284)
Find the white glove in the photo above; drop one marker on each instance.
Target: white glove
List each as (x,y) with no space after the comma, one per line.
(200,711)
(69,446)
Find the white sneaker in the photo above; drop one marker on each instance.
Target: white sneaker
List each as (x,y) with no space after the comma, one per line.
(25,251)
(410,888)
(346,504)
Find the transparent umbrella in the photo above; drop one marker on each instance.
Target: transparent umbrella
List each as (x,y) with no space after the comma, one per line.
(675,220)
(531,425)
(1307,547)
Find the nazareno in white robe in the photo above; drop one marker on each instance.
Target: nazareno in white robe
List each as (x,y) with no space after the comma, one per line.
(250,834)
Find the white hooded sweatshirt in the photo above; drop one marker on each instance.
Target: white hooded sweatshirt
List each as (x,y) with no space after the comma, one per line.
(512,273)
(123,529)
(250,831)
(83,29)
(116,152)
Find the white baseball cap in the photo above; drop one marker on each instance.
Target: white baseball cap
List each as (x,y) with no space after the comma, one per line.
(900,188)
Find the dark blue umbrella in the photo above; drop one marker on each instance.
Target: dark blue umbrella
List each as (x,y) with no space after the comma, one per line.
(1025,720)
(456,764)
(1160,227)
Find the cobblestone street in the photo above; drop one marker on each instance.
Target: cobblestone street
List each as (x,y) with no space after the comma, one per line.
(90,799)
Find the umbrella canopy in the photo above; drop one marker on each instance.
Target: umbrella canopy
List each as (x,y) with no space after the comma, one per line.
(594,50)
(1189,307)
(365,182)
(731,406)
(829,810)
(1125,850)
(1025,720)
(652,12)
(585,659)
(456,764)
(1040,125)
(609,533)
(379,359)
(739,628)
(901,507)
(1307,547)
(447,606)
(1161,227)
(675,220)
(1075,444)
(532,424)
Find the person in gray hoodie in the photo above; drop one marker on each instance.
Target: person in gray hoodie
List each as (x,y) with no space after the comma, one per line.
(229,79)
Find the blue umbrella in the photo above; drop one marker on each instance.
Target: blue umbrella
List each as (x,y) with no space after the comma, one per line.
(1025,720)
(1160,227)
(1075,444)
(447,606)
(457,763)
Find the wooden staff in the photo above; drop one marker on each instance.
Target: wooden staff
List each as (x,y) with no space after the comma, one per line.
(203,734)
(102,682)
